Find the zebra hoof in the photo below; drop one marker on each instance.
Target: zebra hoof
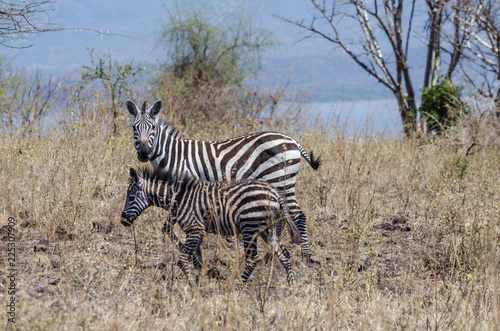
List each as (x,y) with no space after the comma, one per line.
(239,286)
(213,273)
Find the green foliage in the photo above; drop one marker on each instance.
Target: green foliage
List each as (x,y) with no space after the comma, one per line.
(114,76)
(205,48)
(209,57)
(442,105)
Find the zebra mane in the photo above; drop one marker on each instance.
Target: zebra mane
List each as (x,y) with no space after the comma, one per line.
(171,130)
(148,173)
(144,172)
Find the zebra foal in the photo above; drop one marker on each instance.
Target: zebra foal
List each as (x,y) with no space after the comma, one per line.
(268,156)
(250,208)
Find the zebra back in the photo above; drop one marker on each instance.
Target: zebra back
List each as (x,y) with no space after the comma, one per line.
(270,156)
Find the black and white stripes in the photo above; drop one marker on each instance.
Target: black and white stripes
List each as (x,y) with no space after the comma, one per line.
(250,207)
(268,156)
(144,128)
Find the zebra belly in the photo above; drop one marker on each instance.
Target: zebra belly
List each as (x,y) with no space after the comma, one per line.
(254,221)
(222,227)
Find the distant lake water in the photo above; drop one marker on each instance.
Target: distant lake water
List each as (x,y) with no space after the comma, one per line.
(358,118)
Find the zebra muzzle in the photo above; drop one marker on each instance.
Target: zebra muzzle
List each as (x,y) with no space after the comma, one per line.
(125,221)
(143,150)
(142,156)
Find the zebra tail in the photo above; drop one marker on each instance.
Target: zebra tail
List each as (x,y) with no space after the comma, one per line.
(294,231)
(313,162)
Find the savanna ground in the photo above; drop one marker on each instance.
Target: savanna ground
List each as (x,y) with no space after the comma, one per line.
(404,235)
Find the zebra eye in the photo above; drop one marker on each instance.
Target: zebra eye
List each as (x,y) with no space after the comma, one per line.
(154,126)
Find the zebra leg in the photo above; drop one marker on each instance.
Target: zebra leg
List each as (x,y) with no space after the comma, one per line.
(167,228)
(299,218)
(250,245)
(279,228)
(193,238)
(197,259)
(283,255)
(300,221)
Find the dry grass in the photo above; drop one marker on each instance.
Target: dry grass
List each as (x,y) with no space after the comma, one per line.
(435,266)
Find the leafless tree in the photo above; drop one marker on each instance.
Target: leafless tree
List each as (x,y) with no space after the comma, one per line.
(19,20)
(22,19)
(376,35)
(449,28)
(483,49)
(378,24)
(433,63)
(462,24)
(24,100)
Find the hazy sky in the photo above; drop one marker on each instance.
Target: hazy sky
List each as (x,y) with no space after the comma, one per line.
(66,50)
(307,62)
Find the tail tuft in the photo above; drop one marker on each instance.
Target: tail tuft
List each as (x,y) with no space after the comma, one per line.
(294,230)
(315,163)
(294,233)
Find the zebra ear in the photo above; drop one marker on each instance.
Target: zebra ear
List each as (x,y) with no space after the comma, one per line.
(156,108)
(133,175)
(132,108)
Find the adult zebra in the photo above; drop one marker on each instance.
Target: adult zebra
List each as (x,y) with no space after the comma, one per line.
(268,156)
(250,207)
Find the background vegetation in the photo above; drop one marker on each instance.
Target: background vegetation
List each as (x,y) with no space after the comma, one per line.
(442,106)
(404,234)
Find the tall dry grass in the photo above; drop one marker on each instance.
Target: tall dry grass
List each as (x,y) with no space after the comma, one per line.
(404,236)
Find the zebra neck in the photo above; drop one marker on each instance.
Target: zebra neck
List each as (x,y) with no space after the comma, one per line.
(154,153)
(170,195)
(161,194)
(166,134)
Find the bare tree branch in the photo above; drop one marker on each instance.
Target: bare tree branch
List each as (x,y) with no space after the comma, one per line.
(483,47)
(367,51)
(384,31)
(21,20)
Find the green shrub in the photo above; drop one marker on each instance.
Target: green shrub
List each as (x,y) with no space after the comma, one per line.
(116,79)
(204,48)
(204,76)
(442,105)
